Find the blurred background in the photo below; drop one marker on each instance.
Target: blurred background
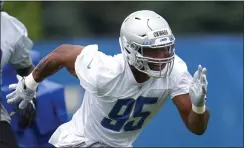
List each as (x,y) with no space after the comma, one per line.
(208,33)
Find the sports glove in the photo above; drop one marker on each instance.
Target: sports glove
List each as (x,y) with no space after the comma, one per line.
(198,90)
(27,115)
(21,93)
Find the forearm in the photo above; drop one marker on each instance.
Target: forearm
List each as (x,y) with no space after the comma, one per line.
(63,56)
(197,122)
(46,67)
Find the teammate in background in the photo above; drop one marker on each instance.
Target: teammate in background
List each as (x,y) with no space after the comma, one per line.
(123,92)
(15,50)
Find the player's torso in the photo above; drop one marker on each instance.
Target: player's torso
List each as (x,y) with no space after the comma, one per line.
(115,107)
(125,108)
(132,105)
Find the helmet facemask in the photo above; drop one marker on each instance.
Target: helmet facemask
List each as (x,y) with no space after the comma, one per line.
(154,66)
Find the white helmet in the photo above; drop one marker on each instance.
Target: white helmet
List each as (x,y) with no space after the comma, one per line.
(146,29)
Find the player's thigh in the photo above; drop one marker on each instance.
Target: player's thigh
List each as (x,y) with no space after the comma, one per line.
(7,136)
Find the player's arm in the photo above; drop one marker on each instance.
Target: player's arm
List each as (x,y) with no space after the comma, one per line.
(20,46)
(195,122)
(20,58)
(191,102)
(62,56)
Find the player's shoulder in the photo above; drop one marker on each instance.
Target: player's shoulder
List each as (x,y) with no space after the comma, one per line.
(94,59)
(95,69)
(179,68)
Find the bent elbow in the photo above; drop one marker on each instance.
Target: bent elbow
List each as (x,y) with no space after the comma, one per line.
(198,132)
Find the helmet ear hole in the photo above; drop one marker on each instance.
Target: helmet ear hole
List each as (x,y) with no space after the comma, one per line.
(134,47)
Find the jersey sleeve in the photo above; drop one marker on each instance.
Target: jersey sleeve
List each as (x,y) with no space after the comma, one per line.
(21,56)
(182,79)
(19,41)
(95,69)
(182,87)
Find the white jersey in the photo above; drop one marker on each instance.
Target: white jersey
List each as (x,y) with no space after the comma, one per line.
(115,107)
(15,48)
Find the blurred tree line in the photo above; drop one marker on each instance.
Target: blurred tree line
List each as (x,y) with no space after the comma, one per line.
(52,19)
(29,13)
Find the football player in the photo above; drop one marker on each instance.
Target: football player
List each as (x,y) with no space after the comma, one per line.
(123,92)
(15,50)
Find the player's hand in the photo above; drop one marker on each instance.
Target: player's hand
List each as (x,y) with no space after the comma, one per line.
(21,93)
(198,89)
(27,115)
